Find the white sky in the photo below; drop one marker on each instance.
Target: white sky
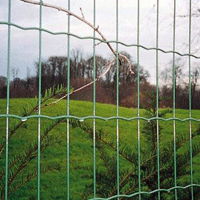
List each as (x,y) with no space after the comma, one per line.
(24,44)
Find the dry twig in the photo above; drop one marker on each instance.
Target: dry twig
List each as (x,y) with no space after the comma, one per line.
(120,57)
(82,13)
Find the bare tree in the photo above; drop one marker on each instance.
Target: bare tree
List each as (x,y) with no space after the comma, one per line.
(108,66)
(194,83)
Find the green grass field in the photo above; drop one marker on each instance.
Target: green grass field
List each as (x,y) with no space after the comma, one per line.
(53,157)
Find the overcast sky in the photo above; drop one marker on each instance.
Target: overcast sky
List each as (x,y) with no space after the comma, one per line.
(24,44)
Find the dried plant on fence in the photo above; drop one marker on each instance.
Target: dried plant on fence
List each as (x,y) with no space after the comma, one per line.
(122,58)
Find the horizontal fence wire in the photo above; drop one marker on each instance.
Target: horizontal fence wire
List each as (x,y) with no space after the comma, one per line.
(148,193)
(98,39)
(97,117)
(116,117)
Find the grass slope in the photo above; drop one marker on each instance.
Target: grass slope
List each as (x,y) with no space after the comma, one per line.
(53,159)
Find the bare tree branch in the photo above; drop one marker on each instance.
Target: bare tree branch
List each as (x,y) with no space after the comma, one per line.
(108,67)
(74,15)
(82,13)
(122,58)
(98,43)
(193,15)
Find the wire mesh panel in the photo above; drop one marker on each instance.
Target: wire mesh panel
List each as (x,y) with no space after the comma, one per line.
(149,150)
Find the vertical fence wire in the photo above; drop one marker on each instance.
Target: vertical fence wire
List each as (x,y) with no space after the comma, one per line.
(190,97)
(8,99)
(39,100)
(68,103)
(157,99)
(117,82)
(174,98)
(94,101)
(117,91)
(138,99)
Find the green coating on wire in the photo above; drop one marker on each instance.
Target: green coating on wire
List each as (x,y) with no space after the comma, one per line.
(157,100)
(97,117)
(138,92)
(98,39)
(39,116)
(8,100)
(148,193)
(39,103)
(190,98)
(174,98)
(117,94)
(68,103)
(94,100)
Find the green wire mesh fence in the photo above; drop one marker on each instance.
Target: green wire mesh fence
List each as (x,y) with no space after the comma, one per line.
(140,193)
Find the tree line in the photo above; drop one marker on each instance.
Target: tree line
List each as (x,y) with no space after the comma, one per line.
(54,74)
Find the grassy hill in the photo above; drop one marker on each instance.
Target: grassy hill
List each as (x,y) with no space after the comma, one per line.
(23,152)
